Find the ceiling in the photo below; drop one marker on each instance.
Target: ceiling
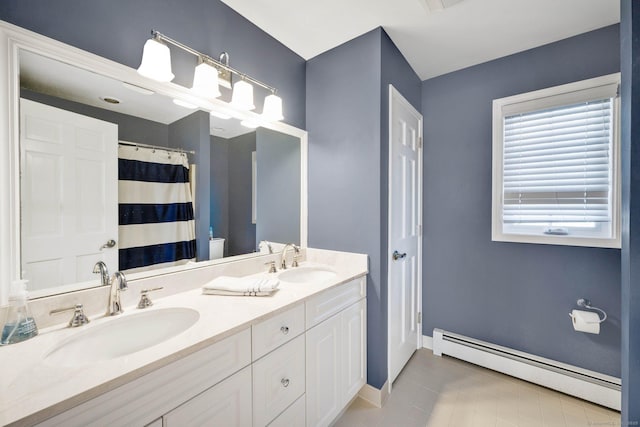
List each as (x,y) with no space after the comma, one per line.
(466,33)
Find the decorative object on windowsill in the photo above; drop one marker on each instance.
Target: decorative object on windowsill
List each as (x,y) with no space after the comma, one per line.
(587,321)
(209,75)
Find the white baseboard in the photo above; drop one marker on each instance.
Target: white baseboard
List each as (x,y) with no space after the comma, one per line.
(427,342)
(374,396)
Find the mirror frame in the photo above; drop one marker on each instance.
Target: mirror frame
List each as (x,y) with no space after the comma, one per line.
(13,39)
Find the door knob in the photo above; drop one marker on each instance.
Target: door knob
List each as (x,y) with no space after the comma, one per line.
(397,255)
(110,243)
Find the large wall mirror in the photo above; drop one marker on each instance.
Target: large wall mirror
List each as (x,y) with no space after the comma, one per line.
(104,165)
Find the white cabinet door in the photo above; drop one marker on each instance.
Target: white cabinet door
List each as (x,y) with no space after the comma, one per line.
(354,347)
(323,372)
(336,363)
(224,405)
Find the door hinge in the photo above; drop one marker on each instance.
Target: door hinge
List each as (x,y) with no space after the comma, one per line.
(419,142)
(419,230)
(419,317)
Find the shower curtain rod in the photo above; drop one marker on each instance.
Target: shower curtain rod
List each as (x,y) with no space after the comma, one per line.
(156,147)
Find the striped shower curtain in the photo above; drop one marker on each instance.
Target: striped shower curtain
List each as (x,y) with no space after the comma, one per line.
(156,223)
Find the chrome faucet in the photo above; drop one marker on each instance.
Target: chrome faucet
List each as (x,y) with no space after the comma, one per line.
(118,283)
(101,269)
(267,244)
(283,256)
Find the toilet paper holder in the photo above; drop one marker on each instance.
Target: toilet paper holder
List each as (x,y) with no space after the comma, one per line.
(585,303)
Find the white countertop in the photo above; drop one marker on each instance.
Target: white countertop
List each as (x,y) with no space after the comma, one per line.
(32,390)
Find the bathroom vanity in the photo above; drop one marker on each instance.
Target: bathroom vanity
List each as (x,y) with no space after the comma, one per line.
(295,358)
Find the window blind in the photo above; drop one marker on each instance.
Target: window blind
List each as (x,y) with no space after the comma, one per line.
(557,164)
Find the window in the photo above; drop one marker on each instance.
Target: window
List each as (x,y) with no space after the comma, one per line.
(555,165)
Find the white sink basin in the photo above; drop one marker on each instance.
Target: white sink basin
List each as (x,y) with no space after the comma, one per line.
(307,274)
(121,336)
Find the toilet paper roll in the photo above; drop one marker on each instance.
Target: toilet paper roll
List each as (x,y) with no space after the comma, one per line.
(585,321)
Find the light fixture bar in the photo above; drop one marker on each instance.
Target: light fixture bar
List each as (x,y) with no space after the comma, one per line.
(159,36)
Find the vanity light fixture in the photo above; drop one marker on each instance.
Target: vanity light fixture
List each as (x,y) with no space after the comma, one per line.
(209,75)
(242,97)
(156,61)
(272,110)
(205,80)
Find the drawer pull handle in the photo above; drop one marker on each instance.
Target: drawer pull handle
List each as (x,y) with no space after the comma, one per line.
(285,382)
(284,330)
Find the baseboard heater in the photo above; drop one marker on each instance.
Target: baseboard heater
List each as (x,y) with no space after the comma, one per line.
(588,385)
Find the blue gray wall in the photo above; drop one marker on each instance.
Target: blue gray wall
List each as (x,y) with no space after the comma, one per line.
(278,158)
(630,129)
(513,294)
(191,133)
(118,30)
(278,182)
(242,233)
(219,210)
(346,88)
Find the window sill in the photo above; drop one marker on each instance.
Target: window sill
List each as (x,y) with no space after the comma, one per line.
(614,243)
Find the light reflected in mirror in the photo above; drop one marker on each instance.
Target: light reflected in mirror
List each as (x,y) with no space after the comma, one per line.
(238,185)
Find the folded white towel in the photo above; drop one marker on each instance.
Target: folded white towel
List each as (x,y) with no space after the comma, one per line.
(242,286)
(237,294)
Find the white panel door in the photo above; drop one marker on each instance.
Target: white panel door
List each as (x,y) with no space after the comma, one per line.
(69,195)
(405,222)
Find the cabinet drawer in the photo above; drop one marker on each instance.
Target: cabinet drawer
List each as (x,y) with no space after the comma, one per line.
(293,416)
(222,405)
(275,331)
(332,301)
(278,380)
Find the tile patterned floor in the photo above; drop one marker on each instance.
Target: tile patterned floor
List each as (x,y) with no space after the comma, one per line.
(436,391)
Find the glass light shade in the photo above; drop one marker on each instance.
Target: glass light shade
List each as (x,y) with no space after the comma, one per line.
(205,81)
(242,97)
(156,61)
(272,110)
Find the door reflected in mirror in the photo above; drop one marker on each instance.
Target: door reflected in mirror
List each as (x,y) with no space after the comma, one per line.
(79,191)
